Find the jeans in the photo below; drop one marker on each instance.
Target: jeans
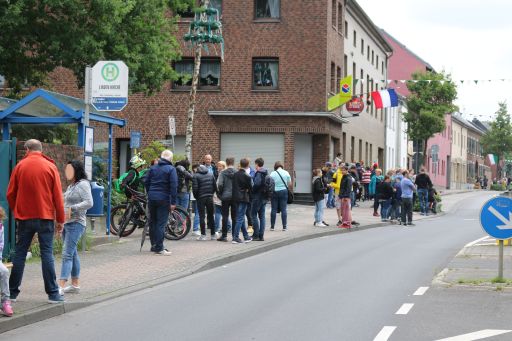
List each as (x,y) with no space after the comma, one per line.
(158,218)
(240,221)
(406,210)
(395,209)
(352,199)
(205,206)
(279,200)
(258,206)
(385,206)
(218,217)
(195,226)
(183,200)
(226,207)
(366,191)
(26,230)
(331,198)
(70,260)
(423,198)
(4,282)
(319,211)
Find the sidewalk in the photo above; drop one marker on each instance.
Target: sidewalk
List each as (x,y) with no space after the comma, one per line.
(116,267)
(476,266)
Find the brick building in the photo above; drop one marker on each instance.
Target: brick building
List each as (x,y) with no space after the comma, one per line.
(267,98)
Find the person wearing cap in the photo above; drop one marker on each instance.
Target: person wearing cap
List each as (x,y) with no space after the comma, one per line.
(132,179)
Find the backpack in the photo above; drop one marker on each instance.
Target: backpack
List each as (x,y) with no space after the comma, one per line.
(181,179)
(268,188)
(118,182)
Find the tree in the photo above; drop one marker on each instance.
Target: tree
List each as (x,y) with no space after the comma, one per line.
(39,36)
(498,140)
(432,96)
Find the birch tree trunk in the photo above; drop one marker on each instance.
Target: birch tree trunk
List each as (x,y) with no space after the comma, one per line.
(193,93)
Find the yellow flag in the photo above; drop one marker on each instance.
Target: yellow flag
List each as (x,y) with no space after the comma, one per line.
(343,97)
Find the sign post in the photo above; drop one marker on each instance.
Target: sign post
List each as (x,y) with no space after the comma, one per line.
(496,220)
(172,130)
(109,86)
(135,137)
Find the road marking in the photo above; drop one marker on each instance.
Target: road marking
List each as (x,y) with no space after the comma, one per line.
(404,309)
(385,333)
(476,241)
(482,334)
(421,291)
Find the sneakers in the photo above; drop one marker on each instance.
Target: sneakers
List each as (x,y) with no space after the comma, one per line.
(201,238)
(411,224)
(71,289)
(215,236)
(61,291)
(285,229)
(222,239)
(248,240)
(196,233)
(7,308)
(56,300)
(346,226)
(272,228)
(237,241)
(320,225)
(164,252)
(355,223)
(323,222)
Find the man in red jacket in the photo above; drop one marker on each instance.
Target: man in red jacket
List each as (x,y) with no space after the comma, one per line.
(35,196)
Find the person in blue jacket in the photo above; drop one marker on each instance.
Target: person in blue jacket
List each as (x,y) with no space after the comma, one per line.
(161,186)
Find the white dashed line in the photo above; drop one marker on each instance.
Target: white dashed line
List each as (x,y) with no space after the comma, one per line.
(482,334)
(385,333)
(421,291)
(404,309)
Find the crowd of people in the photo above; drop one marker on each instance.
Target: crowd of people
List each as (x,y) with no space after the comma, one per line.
(226,198)
(342,185)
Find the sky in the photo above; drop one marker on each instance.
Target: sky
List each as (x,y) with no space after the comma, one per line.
(469,39)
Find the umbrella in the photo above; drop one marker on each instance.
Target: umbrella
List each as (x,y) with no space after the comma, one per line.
(146,229)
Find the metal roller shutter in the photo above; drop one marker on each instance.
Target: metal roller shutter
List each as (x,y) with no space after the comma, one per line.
(239,145)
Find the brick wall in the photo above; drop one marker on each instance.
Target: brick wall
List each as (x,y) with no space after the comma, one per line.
(61,154)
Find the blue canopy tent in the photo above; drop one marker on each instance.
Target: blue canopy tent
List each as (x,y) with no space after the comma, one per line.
(47,108)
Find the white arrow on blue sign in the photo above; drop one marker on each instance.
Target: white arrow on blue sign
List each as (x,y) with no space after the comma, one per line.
(496,217)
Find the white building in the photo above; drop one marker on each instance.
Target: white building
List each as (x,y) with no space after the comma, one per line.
(366,58)
(396,137)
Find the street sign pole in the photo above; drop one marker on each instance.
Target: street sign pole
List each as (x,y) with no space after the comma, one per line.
(87,98)
(500,267)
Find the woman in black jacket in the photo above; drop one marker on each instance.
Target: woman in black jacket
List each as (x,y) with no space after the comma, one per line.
(385,196)
(319,190)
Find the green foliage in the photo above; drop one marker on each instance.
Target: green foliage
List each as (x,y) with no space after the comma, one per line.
(66,134)
(498,140)
(432,96)
(152,151)
(498,187)
(39,36)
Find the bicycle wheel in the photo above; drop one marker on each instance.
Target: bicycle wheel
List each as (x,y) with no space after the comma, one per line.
(179,224)
(126,226)
(117,216)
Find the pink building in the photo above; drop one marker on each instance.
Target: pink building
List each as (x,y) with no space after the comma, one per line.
(402,64)
(439,156)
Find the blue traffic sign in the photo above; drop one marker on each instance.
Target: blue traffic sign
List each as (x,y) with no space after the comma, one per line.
(135,137)
(496,217)
(109,103)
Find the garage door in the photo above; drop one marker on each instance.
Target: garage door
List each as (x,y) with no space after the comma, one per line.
(270,147)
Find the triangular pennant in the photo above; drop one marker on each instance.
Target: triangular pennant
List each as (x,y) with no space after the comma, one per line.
(389,81)
(442,82)
(429,81)
(396,82)
(461,82)
(402,81)
(476,81)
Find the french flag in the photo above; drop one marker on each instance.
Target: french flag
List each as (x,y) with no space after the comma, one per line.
(385,98)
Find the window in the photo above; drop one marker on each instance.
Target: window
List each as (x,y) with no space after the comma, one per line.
(340,18)
(368,91)
(371,153)
(360,150)
(267,9)
(377,62)
(362,85)
(354,74)
(209,74)
(345,66)
(346,29)
(362,47)
(338,79)
(333,78)
(265,74)
(366,161)
(373,57)
(368,52)
(355,38)
(352,148)
(382,67)
(333,14)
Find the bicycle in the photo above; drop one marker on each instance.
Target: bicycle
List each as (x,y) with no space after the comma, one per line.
(127,217)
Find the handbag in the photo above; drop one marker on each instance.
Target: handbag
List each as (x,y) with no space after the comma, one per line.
(290,194)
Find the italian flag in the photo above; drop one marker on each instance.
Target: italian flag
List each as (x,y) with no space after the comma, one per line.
(492,159)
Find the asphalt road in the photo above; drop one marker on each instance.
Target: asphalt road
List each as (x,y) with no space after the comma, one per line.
(345,287)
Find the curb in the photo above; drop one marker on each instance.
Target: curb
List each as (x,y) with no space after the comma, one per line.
(49,311)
